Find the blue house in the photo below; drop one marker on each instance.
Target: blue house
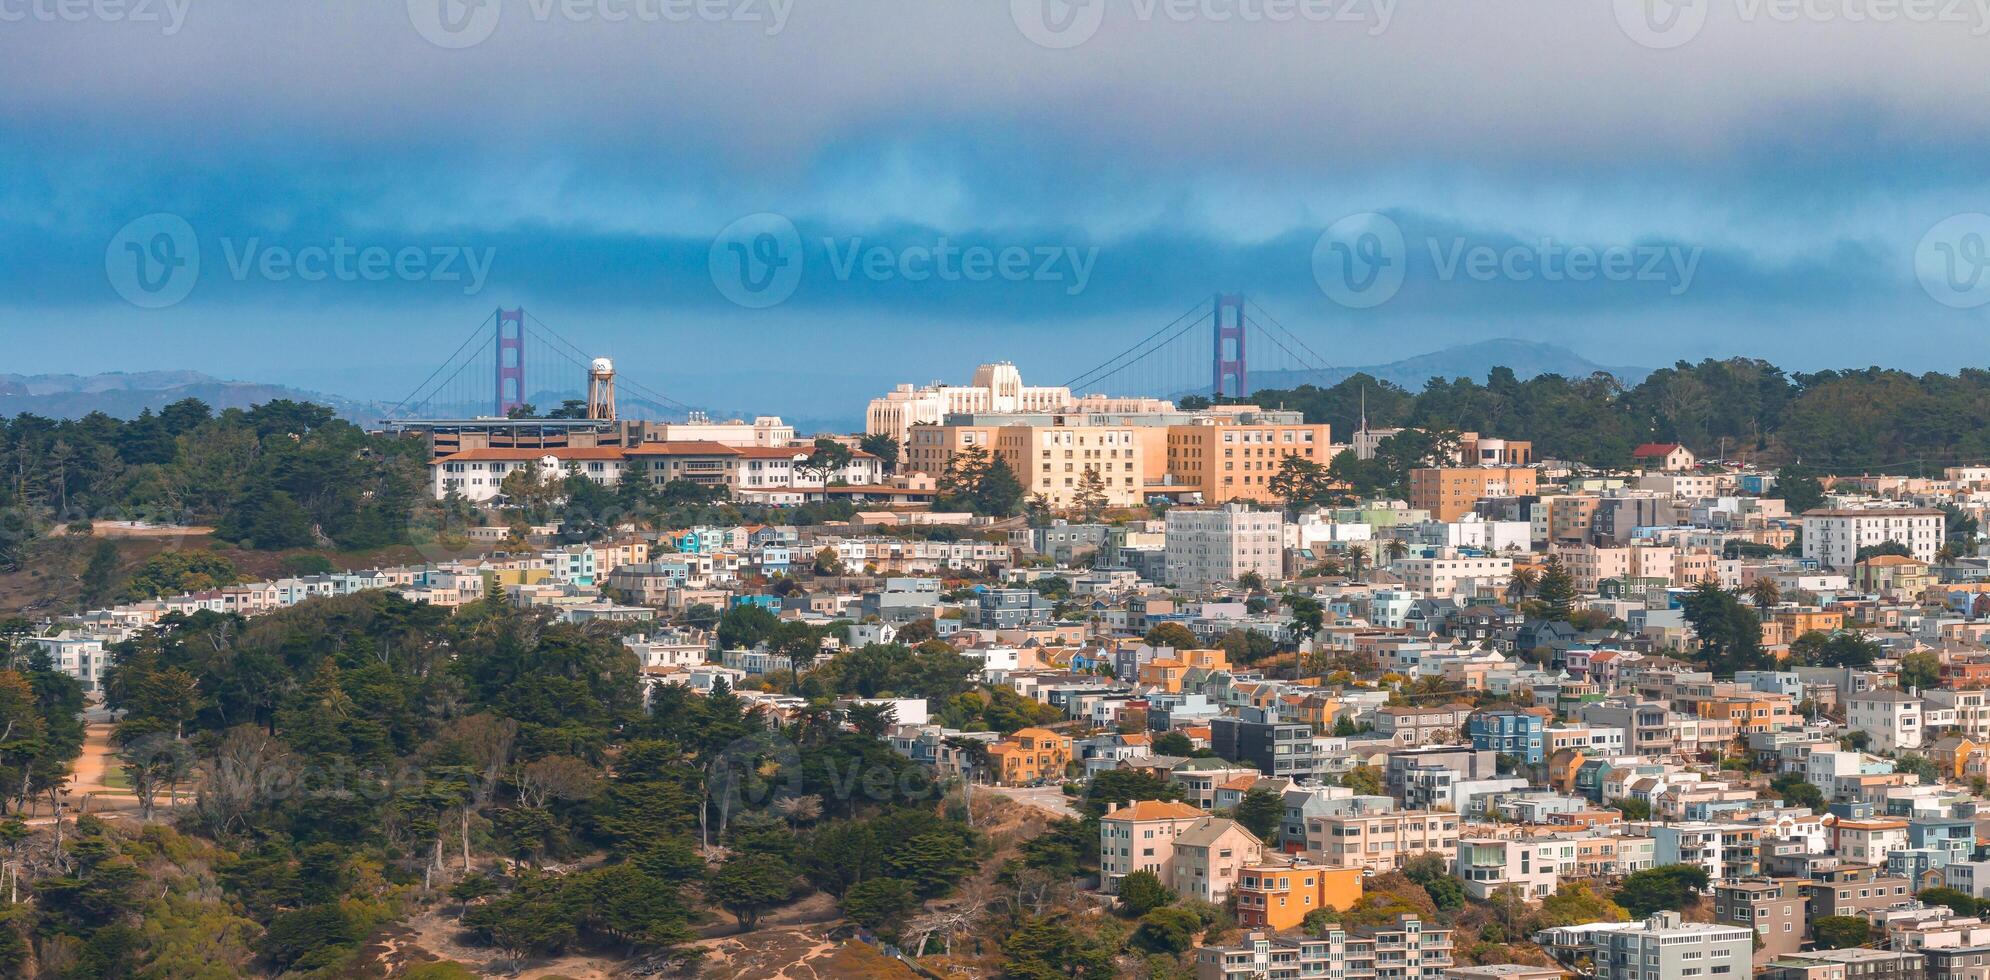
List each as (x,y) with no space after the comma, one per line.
(1516,733)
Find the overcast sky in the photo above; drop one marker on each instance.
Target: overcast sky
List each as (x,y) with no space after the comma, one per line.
(1755,177)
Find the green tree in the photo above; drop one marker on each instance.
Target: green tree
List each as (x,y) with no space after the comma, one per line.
(1173,743)
(1920,671)
(1363,779)
(100,576)
(1555,590)
(1729,633)
(1261,811)
(1167,930)
(1840,931)
(1141,892)
(1433,874)
(1671,886)
(1172,635)
(1962,902)
(1632,809)
(749,885)
(1575,903)
(1797,791)
(884,447)
(881,905)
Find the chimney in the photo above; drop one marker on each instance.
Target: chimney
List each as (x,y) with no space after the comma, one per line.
(1112,808)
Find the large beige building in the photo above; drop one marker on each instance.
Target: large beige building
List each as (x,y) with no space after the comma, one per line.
(1228,460)
(996,388)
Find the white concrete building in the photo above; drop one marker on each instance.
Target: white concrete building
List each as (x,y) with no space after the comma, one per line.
(1214,546)
(1892,719)
(1444,577)
(1833,537)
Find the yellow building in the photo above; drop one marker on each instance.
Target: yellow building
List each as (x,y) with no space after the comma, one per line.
(1028,756)
(1278,896)
(1237,461)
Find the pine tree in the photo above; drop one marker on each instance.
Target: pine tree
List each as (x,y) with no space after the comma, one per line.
(1556,590)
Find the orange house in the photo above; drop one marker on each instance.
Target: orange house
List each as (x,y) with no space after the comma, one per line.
(1797,620)
(1278,896)
(1031,754)
(1750,713)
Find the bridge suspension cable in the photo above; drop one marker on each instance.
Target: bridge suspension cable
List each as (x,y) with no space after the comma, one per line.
(1107,369)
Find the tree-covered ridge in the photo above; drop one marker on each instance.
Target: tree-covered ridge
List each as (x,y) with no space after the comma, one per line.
(279,475)
(352,760)
(1832,421)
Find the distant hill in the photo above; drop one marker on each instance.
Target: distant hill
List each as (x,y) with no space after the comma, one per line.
(125,394)
(1527,358)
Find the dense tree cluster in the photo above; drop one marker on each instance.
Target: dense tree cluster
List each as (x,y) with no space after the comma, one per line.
(1831,421)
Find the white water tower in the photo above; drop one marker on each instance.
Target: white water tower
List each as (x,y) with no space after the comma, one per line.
(601,389)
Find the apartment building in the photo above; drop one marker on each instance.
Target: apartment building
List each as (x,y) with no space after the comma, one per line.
(1666,947)
(1275,748)
(1451,492)
(1410,726)
(1521,734)
(1892,719)
(1849,964)
(1853,891)
(1406,950)
(1868,841)
(1029,756)
(1209,855)
(1214,546)
(1380,841)
(1725,850)
(1140,836)
(1237,460)
(1833,537)
(1773,907)
(1533,865)
(1447,576)
(1279,896)
(1057,462)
